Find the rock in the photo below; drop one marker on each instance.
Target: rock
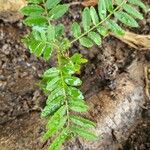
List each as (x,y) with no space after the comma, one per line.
(9,9)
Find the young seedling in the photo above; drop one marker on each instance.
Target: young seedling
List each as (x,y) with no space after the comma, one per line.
(59,82)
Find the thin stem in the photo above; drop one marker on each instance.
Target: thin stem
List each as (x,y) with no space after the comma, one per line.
(94,27)
(63,84)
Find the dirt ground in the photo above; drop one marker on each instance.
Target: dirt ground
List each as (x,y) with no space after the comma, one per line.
(115,72)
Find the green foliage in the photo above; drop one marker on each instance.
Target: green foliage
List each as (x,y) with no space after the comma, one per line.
(97,24)
(59,82)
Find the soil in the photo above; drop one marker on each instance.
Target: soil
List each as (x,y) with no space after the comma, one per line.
(113,68)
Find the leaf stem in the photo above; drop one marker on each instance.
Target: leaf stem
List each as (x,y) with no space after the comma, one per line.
(63,84)
(94,27)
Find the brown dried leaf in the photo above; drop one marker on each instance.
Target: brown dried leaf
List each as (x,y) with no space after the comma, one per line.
(87,3)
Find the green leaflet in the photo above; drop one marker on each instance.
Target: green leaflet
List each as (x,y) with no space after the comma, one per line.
(95,37)
(52,72)
(82,122)
(86,42)
(50,32)
(83,133)
(126,19)
(59,140)
(53,127)
(59,30)
(78,105)
(115,28)
(56,122)
(51,98)
(32,10)
(76,30)
(94,15)
(53,83)
(109,5)
(35,20)
(47,53)
(130,10)
(75,93)
(51,3)
(35,1)
(138,3)
(102,9)
(73,81)
(102,30)
(86,20)
(58,11)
